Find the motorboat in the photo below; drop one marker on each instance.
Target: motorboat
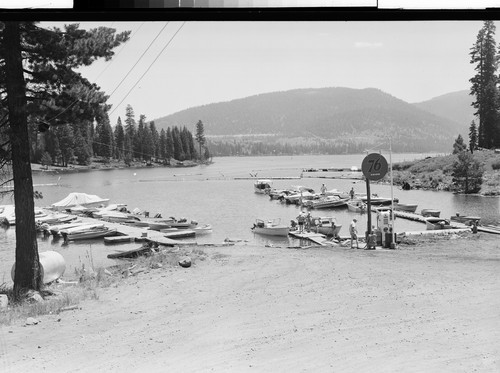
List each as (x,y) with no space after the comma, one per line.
(356,205)
(174,233)
(327,202)
(119,217)
(465,219)
(80,199)
(270,227)
(89,233)
(299,197)
(53,219)
(160,224)
(8,214)
(406,207)
(433,223)
(326,225)
(376,200)
(55,229)
(430,213)
(184,223)
(203,229)
(262,186)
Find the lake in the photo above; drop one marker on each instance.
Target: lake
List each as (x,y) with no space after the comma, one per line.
(220,195)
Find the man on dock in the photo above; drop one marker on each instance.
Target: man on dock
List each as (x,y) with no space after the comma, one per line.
(353,230)
(352,193)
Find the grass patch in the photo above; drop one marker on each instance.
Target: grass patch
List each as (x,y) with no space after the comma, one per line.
(88,280)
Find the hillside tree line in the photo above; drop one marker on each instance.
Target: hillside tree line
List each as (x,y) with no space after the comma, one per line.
(131,140)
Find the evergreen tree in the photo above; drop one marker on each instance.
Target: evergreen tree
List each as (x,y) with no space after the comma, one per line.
(66,143)
(128,149)
(169,148)
(162,147)
(130,127)
(177,142)
(138,140)
(148,144)
(156,139)
(484,84)
(459,145)
(200,135)
(119,135)
(472,137)
(48,59)
(467,173)
(82,153)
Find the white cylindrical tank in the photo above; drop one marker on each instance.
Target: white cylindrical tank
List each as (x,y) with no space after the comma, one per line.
(52,266)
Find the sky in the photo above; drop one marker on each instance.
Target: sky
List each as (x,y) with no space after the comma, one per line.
(198,63)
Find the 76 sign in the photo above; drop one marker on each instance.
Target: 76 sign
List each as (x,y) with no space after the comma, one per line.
(374,166)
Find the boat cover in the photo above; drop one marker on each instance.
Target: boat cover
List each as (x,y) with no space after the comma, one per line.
(79,199)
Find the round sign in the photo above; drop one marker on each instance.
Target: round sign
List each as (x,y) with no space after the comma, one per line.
(374,166)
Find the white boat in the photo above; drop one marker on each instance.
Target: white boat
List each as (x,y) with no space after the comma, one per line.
(262,186)
(203,229)
(297,197)
(158,225)
(356,205)
(178,233)
(270,227)
(8,214)
(81,228)
(430,212)
(53,219)
(80,199)
(91,233)
(466,219)
(376,200)
(407,207)
(327,202)
(433,223)
(55,229)
(326,225)
(119,217)
(184,223)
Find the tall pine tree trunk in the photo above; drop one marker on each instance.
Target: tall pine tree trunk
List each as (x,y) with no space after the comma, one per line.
(27,274)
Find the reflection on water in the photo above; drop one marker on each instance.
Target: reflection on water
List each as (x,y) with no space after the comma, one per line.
(214,194)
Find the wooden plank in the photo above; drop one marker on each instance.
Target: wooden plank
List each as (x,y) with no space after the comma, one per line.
(314,237)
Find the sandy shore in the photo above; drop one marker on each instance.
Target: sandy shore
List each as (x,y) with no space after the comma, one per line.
(429,307)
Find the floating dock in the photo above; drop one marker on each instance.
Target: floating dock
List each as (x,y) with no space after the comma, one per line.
(317,238)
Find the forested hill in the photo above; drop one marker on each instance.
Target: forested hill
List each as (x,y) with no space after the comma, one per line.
(353,116)
(456,106)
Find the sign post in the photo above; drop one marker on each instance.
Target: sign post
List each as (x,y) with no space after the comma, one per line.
(374,168)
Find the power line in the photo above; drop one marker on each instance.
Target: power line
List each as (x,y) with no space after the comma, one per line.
(139,59)
(149,67)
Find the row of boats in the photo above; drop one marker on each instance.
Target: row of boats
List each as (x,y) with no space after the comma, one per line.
(71,226)
(326,225)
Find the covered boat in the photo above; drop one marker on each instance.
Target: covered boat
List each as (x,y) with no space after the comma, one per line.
(326,225)
(270,227)
(80,199)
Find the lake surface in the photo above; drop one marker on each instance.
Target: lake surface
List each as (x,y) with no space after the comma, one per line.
(216,195)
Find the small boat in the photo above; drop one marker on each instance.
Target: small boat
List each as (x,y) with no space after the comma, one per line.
(55,229)
(326,225)
(158,225)
(54,219)
(262,186)
(327,202)
(90,233)
(270,228)
(184,223)
(375,200)
(203,229)
(433,223)
(430,213)
(80,199)
(467,220)
(407,207)
(298,197)
(357,205)
(174,233)
(119,217)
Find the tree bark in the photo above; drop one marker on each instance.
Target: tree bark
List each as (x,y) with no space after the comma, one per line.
(27,274)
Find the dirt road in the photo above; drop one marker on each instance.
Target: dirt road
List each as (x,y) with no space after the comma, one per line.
(432,307)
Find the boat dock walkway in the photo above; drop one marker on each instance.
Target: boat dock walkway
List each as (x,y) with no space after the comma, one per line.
(317,238)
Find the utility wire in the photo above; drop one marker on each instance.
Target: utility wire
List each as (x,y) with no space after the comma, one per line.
(139,59)
(149,67)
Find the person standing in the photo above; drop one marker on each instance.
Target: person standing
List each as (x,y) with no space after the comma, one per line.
(351,193)
(300,221)
(323,189)
(353,231)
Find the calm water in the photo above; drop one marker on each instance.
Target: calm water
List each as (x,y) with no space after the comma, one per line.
(214,194)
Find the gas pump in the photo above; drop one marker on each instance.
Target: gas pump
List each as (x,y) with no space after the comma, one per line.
(384,224)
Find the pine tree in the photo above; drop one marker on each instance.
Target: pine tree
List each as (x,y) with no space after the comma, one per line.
(119,135)
(459,145)
(467,173)
(484,84)
(169,149)
(156,139)
(200,136)
(472,137)
(162,145)
(48,59)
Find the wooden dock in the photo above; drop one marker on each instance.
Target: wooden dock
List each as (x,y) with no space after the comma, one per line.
(317,238)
